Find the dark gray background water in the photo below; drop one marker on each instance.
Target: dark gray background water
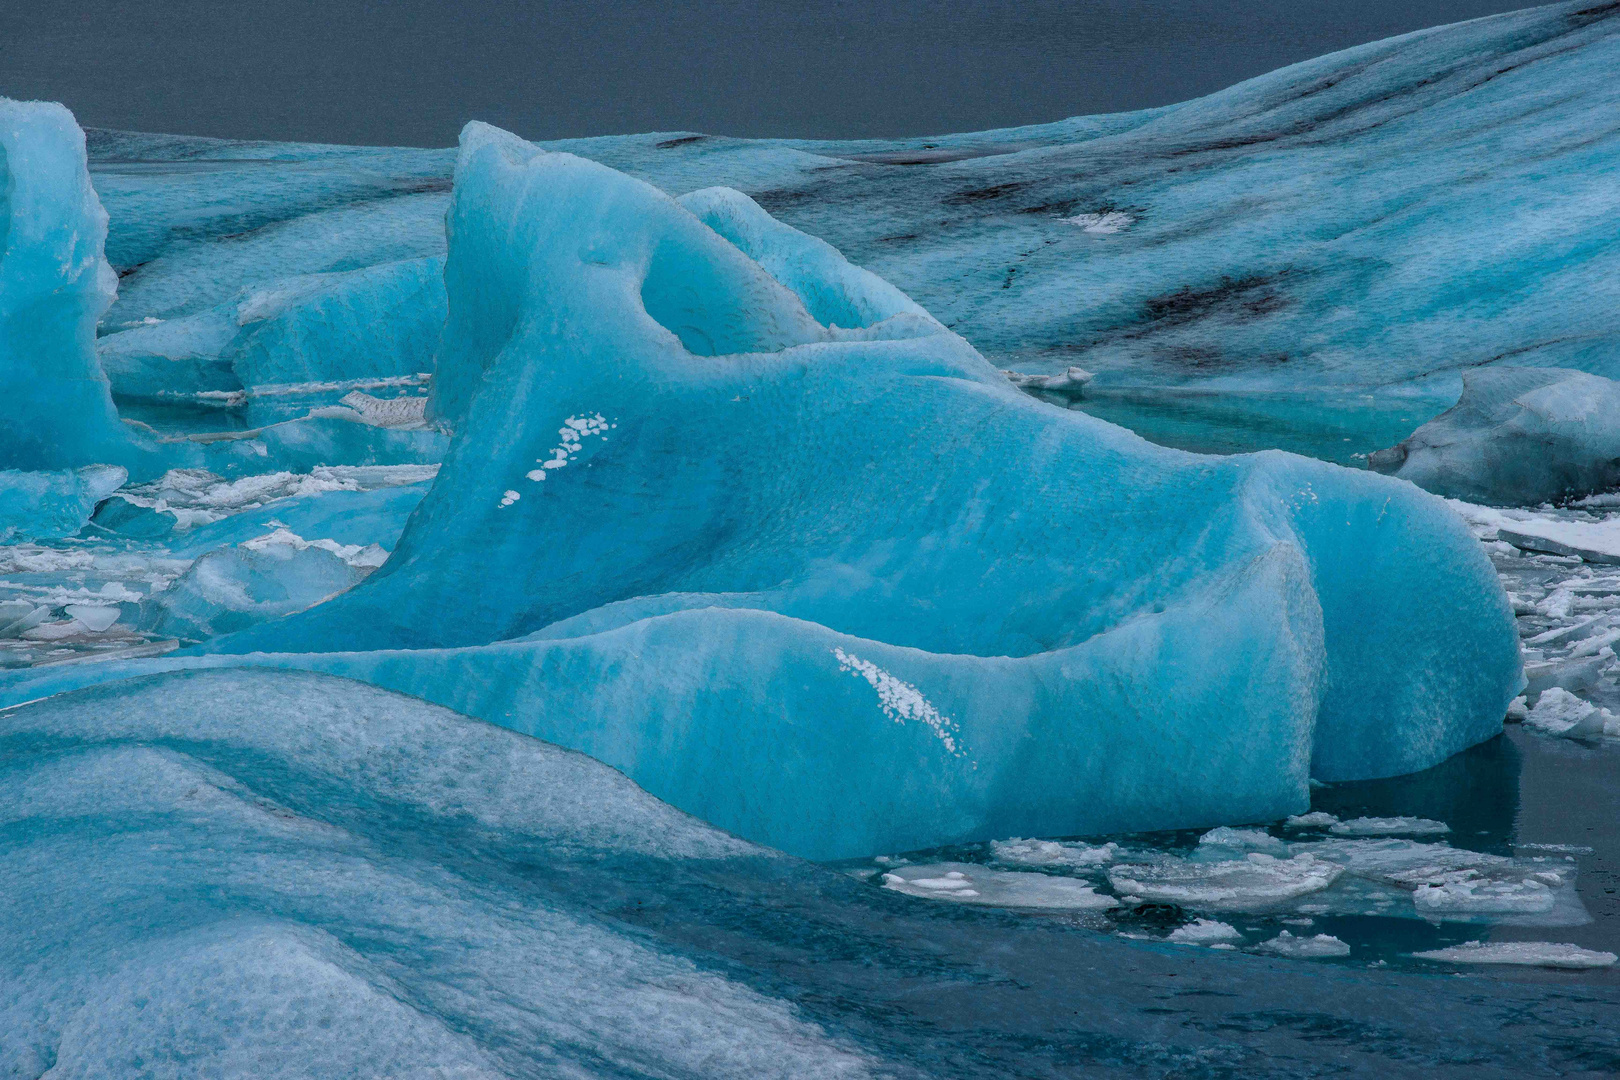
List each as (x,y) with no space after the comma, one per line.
(411,72)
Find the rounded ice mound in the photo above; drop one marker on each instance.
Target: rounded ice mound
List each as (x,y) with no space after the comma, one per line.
(739,518)
(1517,436)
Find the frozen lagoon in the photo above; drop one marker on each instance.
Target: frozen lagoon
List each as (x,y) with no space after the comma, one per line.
(233,253)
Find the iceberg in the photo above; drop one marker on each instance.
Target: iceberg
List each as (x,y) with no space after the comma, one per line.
(56,410)
(1517,437)
(847,579)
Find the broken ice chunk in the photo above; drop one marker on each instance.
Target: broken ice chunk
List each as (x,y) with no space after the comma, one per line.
(1561,713)
(1020,852)
(96,618)
(1304,948)
(1205,932)
(1482,896)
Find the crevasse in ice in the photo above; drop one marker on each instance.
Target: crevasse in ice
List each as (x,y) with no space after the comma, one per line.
(840,588)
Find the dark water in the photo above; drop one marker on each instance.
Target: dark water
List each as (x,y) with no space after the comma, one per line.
(411,72)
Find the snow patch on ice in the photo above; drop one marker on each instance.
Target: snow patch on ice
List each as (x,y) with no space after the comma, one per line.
(901,701)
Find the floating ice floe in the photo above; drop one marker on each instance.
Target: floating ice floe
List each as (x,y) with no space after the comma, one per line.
(971,883)
(1559,712)
(1020,852)
(1388,826)
(1205,932)
(1255,882)
(1322,946)
(1524,953)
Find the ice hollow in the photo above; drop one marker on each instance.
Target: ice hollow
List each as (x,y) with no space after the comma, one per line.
(843,589)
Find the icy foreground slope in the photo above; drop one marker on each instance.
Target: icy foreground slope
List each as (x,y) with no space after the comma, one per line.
(257,874)
(843,589)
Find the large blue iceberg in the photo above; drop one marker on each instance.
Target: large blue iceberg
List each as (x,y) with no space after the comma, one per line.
(801,562)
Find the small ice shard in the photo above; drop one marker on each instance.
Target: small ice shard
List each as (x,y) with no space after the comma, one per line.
(96,618)
(1020,852)
(1559,712)
(1591,541)
(1064,388)
(1389,826)
(968,883)
(1517,436)
(1304,948)
(1524,953)
(1256,881)
(1205,932)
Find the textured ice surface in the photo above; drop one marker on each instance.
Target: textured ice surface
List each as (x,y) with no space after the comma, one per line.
(1518,436)
(1523,953)
(681,505)
(261,873)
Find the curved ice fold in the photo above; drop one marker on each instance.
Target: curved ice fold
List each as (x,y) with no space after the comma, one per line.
(786,534)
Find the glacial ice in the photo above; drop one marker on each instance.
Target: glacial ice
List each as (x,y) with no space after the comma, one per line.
(743,533)
(55,407)
(1517,436)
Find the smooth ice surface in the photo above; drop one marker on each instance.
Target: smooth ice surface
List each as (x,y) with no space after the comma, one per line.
(1518,436)
(1523,953)
(55,283)
(1256,881)
(685,507)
